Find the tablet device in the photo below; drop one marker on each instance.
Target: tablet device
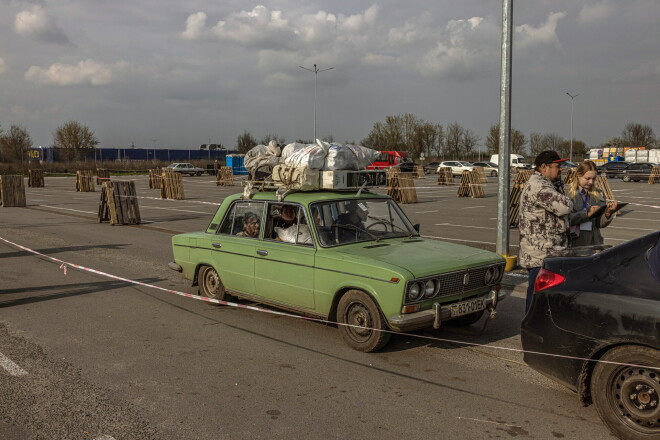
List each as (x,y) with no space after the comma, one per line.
(599,212)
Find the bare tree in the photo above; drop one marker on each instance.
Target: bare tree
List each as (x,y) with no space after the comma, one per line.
(469,141)
(535,144)
(273,137)
(74,137)
(245,142)
(14,143)
(579,149)
(638,135)
(518,141)
(453,140)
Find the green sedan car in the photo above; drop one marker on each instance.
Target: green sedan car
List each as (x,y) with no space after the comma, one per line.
(353,259)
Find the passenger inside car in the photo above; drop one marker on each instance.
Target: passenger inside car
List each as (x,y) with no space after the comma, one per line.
(250,225)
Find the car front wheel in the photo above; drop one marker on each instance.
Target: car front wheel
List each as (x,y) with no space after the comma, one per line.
(210,284)
(361,323)
(199,173)
(626,178)
(493,174)
(627,398)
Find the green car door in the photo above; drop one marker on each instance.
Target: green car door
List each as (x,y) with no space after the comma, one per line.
(284,265)
(232,250)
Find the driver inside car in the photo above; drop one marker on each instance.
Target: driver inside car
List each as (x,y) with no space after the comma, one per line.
(352,221)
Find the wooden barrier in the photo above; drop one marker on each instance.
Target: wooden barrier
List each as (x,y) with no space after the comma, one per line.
(12,191)
(36,178)
(480,174)
(172,186)
(119,203)
(85,181)
(156,178)
(102,175)
(225,176)
(401,187)
(514,197)
(418,171)
(569,176)
(655,175)
(445,176)
(471,185)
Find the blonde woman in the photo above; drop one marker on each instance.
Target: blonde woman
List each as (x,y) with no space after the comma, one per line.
(585,229)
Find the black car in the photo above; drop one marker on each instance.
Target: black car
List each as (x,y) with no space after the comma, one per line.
(596,318)
(612,169)
(490,168)
(636,172)
(431,167)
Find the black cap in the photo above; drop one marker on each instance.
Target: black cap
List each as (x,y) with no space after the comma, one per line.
(548,157)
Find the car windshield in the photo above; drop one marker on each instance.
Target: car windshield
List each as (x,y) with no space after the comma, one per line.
(356,220)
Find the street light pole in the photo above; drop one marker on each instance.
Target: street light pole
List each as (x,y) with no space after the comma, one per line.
(570,156)
(316,72)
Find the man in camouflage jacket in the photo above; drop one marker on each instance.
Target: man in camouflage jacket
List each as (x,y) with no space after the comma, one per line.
(543,222)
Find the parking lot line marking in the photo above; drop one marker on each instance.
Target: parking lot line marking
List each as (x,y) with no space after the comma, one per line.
(464,241)
(174,209)
(489,421)
(463,226)
(472,207)
(69,209)
(632,229)
(425,212)
(105,437)
(11,367)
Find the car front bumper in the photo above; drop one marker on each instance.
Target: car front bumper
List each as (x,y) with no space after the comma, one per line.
(438,313)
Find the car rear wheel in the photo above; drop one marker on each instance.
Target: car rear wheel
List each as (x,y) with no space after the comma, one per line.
(199,173)
(493,173)
(210,284)
(628,398)
(626,178)
(363,322)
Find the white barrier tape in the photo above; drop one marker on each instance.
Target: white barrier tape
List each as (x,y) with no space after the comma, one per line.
(64,264)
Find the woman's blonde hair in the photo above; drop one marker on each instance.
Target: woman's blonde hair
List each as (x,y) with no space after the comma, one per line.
(580,171)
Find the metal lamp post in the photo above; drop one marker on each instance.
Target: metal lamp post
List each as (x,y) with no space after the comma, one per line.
(316,71)
(570,155)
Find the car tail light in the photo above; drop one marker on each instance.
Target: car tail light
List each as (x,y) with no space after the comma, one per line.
(547,279)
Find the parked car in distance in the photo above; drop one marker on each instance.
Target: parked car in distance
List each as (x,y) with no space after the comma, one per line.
(457,166)
(490,168)
(636,172)
(407,165)
(186,168)
(612,169)
(351,259)
(594,305)
(431,168)
(567,164)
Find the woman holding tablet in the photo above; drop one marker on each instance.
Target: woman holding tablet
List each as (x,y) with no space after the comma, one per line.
(590,211)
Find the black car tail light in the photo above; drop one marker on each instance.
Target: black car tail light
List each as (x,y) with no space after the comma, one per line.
(547,279)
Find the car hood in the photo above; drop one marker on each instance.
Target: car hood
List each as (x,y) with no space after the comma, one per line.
(419,256)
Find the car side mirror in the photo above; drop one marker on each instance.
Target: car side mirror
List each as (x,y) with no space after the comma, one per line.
(416,227)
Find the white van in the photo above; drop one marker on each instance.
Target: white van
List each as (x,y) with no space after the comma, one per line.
(516,161)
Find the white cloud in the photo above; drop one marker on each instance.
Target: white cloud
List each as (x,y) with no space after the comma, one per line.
(194,26)
(595,13)
(259,27)
(85,72)
(35,22)
(546,33)
(3,66)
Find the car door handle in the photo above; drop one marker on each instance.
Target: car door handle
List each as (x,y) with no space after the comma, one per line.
(263,253)
(216,245)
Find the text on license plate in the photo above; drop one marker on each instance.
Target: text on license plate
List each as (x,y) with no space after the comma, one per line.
(467,307)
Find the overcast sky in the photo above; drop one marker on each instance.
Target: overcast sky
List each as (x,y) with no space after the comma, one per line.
(162,73)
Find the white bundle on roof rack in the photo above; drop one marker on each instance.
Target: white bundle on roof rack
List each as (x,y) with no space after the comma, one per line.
(299,178)
(262,156)
(349,157)
(308,156)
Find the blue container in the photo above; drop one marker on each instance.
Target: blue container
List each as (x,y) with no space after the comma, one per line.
(235,161)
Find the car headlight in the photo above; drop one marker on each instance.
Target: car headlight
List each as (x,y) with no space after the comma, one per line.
(488,276)
(430,288)
(415,292)
(497,274)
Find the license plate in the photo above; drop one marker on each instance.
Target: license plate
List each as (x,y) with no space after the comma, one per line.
(467,307)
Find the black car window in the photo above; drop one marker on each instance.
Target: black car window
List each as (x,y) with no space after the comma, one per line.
(286,222)
(242,218)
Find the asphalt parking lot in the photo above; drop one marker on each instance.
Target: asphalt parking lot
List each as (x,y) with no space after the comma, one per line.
(103,358)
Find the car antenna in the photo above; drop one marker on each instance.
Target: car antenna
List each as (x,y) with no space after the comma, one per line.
(364,185)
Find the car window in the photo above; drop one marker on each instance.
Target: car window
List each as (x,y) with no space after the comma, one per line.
(243,219)
(356,220)
(286,222)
